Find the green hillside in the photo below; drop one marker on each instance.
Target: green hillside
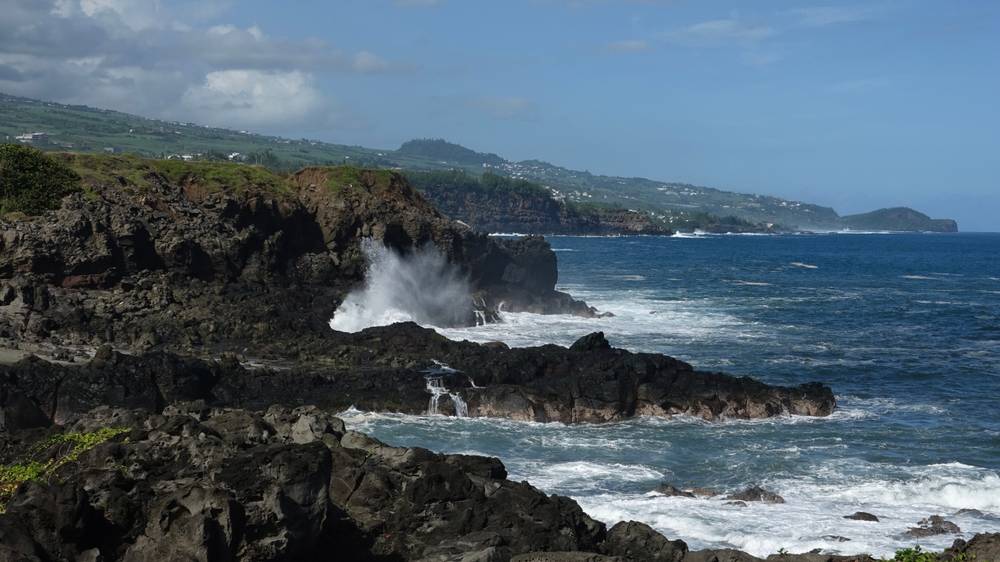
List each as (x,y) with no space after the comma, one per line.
(85,129)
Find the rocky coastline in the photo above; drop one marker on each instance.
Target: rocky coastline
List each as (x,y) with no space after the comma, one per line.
(186,405)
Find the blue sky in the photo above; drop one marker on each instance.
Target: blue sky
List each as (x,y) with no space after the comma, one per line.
(855,105)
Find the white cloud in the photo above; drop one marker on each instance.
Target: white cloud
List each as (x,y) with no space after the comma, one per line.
(822,16)
(254,98)
(720,32)
(156,58)
(369,62)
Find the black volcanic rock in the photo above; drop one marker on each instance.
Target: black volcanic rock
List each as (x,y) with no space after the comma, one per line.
(670,490)
(591,342)
(185,262)
(933,525)
(756,494)
(984,546)
(638,541)
(862,516)
(383,369)
(201,483)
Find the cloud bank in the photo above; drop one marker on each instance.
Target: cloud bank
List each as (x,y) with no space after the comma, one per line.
(142,56)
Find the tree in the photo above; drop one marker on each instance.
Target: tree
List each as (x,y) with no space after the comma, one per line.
(32,182)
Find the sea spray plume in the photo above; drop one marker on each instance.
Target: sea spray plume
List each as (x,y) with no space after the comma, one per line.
(421,286)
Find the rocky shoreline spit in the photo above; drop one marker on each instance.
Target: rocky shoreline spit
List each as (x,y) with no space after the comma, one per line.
(185,407)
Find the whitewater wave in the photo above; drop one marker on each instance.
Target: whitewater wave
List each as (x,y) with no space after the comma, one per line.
(640,323)
(813,513)
(421,287)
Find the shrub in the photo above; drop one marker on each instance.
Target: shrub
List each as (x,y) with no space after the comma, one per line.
(44,458)
(32,182)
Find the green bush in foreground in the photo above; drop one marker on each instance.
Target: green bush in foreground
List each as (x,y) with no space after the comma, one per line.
(32,182)
(63,448)
(916,554)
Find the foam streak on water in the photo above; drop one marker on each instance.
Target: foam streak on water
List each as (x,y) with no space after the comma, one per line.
(904,328)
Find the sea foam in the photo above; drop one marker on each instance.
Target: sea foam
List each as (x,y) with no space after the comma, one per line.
(421,287)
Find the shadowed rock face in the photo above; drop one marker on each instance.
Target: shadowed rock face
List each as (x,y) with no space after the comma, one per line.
(184,266)
(200,483)
(384,369)
(285,484)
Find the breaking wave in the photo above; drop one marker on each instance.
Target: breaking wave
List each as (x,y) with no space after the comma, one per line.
(421,287)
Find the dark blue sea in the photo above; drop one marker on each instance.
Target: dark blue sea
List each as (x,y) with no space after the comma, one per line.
(904,328)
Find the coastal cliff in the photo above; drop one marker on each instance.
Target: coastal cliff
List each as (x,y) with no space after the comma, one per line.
(186,406)
(493,203)
(152,251)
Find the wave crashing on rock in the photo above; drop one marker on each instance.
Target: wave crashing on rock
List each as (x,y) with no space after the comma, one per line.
(420,286)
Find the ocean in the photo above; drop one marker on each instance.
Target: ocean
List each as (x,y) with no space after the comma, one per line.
(904,327)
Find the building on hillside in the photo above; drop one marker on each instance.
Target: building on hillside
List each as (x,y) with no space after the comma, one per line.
(32,138)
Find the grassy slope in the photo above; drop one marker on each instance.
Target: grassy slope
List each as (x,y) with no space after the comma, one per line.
(86,129)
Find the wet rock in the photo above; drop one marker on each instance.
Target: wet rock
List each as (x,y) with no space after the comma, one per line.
(756,494)
(671,491)
(736,503)
(862,516)
(381,369)
(704,492)
(933,525)
(637,541)
(591,342)
(565,557)
(721,555)
(985,546)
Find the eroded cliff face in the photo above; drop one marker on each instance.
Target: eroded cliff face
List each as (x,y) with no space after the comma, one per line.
(142,259)
(511,211)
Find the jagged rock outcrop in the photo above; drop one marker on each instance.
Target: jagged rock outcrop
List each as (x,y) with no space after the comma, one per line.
(284,484)
(933,525)
(984,546)
(756,494)
(191,259)
(385,369)
(201,483)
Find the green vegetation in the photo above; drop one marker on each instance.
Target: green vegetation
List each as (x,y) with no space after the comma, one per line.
(446,152)
(32,182)
(221,176)
(488,183)
(898,218)
(84,129)
(916,554)
(340,178)
(44,458)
